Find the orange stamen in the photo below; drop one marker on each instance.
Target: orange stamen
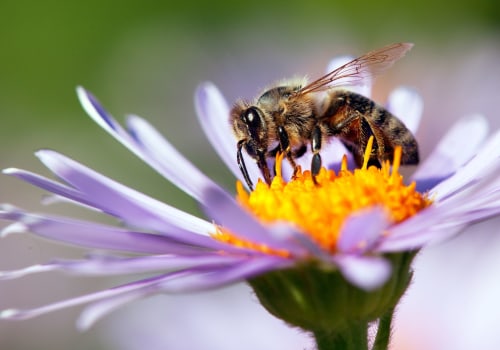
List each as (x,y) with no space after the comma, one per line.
(321,209)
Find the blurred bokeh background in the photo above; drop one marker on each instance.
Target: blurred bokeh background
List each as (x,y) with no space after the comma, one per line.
(147,57)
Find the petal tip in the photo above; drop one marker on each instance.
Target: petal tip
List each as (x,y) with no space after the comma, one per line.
(14,228)
(9,314)
(9,171)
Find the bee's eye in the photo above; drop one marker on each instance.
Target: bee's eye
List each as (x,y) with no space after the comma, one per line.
(252,118)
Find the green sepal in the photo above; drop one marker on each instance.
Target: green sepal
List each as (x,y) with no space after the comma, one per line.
(323,302)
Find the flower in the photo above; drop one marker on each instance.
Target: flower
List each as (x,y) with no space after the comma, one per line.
(372,249)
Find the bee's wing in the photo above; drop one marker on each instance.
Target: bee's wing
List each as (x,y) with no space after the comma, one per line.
(356,71)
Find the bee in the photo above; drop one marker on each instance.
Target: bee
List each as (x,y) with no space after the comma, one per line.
(288,117)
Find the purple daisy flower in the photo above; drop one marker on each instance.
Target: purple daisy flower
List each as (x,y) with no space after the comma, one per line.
(182,252)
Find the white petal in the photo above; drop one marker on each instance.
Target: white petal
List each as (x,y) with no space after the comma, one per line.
(407,105)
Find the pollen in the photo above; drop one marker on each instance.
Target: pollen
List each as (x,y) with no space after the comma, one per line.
(320,208)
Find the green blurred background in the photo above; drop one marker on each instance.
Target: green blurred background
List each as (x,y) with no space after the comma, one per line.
(147,57)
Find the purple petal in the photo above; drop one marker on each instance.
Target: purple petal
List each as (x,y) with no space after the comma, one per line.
(446,159)
(101,236)
(485,161)
(95,110)
(362,230)
(285,231)
(193,281)
(227,213)
(213,114)
(412,240)
(144,287)
(168,161)
(479,201)
(447,217)
(47,184)
(94,312)
(131,206)
(419,230)
(111,265)
(407,105)
(443,220)
(205,280)
(146,143)
(366,272)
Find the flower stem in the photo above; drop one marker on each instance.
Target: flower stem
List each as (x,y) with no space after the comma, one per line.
(384,331)
(353,338)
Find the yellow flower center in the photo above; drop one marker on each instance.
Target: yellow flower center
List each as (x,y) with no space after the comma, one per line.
(321,208)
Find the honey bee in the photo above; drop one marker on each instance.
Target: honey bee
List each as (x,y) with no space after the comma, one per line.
(288,117)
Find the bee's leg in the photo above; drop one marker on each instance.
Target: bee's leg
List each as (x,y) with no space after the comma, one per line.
(285,147)
(272,154)
(316,147)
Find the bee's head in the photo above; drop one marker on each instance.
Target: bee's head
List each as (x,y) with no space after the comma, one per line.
(249,127)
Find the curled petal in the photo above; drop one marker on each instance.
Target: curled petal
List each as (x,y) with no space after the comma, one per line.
(366,272)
